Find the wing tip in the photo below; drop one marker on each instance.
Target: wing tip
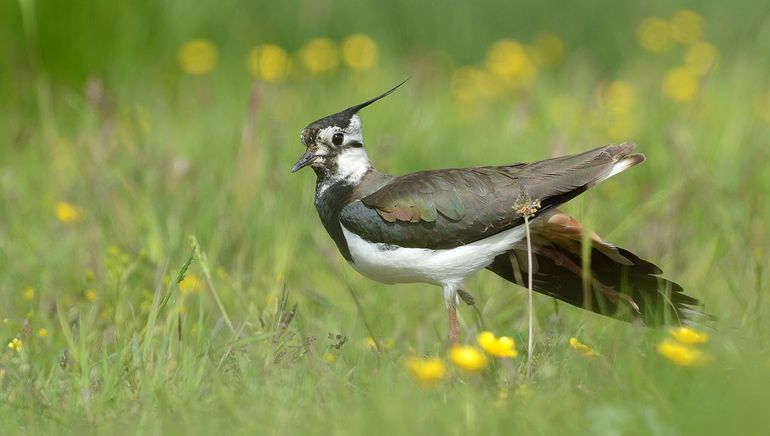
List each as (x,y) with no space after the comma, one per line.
(625,161)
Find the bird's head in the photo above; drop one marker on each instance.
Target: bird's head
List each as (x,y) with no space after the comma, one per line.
(334,144)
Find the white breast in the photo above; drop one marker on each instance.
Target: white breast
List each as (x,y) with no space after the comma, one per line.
(392,264)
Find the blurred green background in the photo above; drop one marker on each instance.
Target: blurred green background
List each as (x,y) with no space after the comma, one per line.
(127,127)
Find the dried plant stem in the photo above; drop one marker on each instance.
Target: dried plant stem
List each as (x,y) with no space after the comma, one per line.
(527,208)
(531,330)
(207,275)
(360,309)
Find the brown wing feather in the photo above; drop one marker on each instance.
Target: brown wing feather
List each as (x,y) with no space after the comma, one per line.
(621,284)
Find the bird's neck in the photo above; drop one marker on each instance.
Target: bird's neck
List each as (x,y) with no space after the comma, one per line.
(332,198)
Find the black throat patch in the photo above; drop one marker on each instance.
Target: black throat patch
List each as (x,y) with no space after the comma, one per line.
(329,205)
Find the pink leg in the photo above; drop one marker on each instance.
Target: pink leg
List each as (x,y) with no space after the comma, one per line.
(454,329)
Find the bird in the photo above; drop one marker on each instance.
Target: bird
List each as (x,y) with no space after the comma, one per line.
(441,226)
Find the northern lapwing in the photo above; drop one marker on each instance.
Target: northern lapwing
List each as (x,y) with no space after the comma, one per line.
(441,226)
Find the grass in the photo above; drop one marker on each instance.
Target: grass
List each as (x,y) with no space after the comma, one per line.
(171,175)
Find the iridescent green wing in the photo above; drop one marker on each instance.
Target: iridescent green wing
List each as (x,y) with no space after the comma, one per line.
(452,207)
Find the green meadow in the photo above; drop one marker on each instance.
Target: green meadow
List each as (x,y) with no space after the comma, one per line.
(162,272)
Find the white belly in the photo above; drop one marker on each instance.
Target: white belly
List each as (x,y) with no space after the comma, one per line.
(389,264)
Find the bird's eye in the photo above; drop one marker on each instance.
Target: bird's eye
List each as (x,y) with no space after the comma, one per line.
(337,138)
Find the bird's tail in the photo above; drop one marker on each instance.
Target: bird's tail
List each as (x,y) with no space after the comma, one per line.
(617,284)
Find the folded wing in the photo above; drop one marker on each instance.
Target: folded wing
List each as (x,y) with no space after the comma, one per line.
(448,208)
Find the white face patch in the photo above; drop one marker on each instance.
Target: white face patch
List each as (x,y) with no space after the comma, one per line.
(352,133)
(352,164)
(325,135)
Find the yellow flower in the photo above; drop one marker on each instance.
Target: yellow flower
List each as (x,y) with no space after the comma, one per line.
(654,34)
(547,50)
(330,357)
(190,284)
(688,336)
(198,56)
(510,61)
(106,313)
(426,371)
(28,294)
(679,354)
(269,62)
(619,97)
(113,250)
(16,345)
(89,295)
(371,344)
(467,357)
(581,347)
(687,26)
(497,347)
(42,333)
(359,52)
(681,85)
(700,58)
(319,56)
(67,213)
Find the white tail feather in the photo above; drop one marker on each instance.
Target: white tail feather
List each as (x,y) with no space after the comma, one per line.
(624,164)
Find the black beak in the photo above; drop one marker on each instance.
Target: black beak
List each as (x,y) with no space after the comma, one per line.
(303,161)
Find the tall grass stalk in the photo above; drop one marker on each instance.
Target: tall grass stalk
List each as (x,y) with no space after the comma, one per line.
(530,305)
